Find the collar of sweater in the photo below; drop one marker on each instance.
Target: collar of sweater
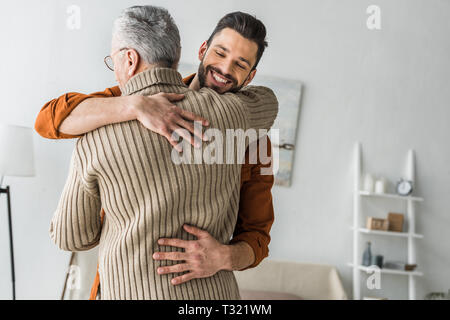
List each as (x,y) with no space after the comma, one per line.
(151,77)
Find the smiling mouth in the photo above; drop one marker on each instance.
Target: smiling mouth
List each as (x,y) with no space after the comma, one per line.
(219,79)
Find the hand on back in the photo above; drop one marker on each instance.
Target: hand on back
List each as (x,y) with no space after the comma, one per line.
(159,114)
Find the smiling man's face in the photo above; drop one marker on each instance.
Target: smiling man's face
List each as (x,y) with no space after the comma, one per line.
(227,63)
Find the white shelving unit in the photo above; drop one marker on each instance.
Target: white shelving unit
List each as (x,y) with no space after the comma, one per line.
(389,271)
(359,231)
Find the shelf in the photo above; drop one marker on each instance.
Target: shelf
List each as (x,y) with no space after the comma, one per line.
(360,231)
(388,271)
(389,233)
(389,196)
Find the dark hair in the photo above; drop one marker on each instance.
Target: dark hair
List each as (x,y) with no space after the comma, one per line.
(247,26)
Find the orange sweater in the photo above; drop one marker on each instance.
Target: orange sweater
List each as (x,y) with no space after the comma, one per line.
(255,216)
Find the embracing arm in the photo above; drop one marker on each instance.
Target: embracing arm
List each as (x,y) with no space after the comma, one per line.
(249,245)
(74,114)
(256,214)
(55,113)
(94,113)
(261,105)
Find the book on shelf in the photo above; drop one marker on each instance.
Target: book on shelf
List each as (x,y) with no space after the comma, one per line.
(398,265)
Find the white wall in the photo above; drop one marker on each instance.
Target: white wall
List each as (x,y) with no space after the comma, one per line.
(386,88)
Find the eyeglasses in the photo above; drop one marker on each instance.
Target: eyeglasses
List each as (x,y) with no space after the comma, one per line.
(109,60)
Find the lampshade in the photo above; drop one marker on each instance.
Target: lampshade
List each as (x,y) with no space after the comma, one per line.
(16,151)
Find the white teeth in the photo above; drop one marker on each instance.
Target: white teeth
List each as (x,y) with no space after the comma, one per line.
(218,78)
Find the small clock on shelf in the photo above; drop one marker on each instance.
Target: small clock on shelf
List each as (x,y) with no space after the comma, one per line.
(404,187)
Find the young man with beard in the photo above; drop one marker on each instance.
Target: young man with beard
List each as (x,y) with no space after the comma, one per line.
(228,63)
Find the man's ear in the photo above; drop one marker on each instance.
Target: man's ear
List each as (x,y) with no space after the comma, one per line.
(132,60)
(202,50)
(250,77)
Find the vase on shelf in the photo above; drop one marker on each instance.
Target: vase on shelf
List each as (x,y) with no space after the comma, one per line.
(367,255)
(380,185)
(368,183)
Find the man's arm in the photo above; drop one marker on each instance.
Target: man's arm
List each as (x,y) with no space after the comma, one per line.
(74,114)
(76,223)
(55,112)
(261,105)
(256,214)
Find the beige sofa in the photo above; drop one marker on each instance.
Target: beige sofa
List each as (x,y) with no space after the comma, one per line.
(284,280)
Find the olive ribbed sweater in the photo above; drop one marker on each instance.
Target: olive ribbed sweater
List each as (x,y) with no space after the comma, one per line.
(127,170)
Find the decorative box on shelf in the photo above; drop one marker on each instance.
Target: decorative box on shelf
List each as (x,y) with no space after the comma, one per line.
(377,224)
(395,221)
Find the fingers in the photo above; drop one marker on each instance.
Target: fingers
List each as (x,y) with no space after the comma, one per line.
(174,242)
(190,126)
(199,233)
(175,144)
(173,269)
(193,117)
(173,97)
(186,125)
(179,116)
(184,278)
(173,137)
(184,134)
(174,256)
(186,120)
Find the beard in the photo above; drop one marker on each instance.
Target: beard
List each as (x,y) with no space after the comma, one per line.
(202,72)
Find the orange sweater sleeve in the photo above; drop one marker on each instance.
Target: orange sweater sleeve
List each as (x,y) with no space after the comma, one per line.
(55,111)
(256,214)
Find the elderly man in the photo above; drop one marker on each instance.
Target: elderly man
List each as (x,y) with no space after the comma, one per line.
(73,114)
(129,171)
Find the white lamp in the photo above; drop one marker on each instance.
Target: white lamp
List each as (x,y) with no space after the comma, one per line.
(16,159)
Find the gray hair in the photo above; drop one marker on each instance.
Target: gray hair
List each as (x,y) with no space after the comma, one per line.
(152,32)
